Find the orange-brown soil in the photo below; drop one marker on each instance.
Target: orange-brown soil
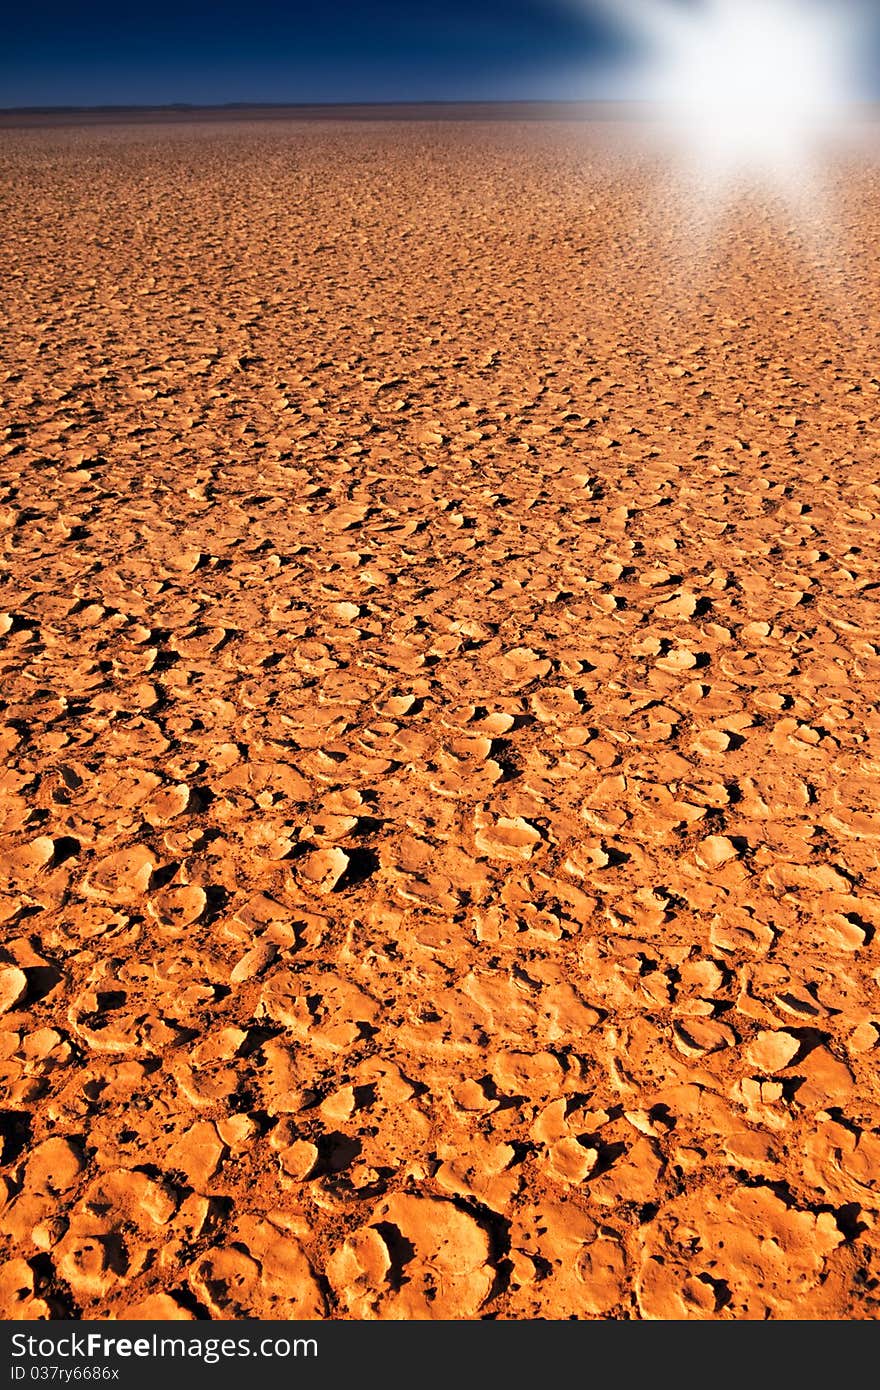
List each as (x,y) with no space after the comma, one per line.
(440,678)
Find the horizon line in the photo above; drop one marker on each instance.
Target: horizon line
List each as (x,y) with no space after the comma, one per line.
(465,108)
(353,102)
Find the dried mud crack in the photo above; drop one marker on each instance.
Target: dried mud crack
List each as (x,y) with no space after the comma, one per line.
(440,680)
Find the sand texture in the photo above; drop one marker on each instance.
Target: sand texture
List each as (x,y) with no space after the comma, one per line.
(440,682)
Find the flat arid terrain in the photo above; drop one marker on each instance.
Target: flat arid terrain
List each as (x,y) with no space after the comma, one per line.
(440,681)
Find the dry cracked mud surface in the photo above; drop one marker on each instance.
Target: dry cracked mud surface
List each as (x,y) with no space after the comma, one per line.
(440,678)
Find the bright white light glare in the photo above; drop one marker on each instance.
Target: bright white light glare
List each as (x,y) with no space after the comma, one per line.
(751,86)
(755,83)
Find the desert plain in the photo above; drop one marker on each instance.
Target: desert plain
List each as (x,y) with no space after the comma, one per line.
(440,681)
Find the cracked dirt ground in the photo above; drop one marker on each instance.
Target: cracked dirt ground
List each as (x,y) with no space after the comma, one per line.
(439,677)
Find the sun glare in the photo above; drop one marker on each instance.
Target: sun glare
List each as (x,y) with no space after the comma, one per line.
(755,84)
(749,86)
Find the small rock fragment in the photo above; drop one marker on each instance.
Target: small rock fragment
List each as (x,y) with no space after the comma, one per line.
(323,869)
(13,988)
(253,963)
(771,1051)
(715,851)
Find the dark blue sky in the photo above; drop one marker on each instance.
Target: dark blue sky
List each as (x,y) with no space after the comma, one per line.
(92,52)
